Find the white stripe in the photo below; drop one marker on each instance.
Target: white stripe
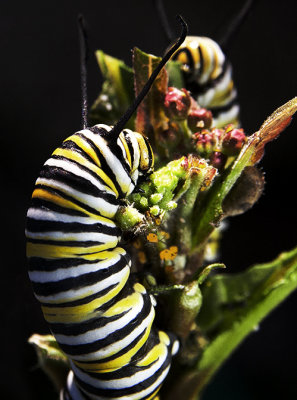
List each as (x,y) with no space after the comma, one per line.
(126,382)
(226,117)
(102,206)
(121,175)
(80,173)
(72,388)
(60,237)
(71,272)
(138,395)
(72,295)
(136,150)
(48,215)
(115,347)
(205,100)
(104,331)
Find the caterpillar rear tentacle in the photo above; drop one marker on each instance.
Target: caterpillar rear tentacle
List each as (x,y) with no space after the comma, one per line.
(101,318)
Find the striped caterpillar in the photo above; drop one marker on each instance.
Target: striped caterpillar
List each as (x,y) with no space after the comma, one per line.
(207,72)
(208,76)
(100,316)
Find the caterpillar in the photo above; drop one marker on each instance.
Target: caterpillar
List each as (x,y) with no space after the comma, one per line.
(206,70)
(208,76)
(101,317)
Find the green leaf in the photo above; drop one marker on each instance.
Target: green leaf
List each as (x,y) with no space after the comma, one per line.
(117,91)
(175,74)
(51,359)
(151,118)
(262,288)
(241,301)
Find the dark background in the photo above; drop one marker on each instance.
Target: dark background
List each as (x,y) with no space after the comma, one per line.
(40,106)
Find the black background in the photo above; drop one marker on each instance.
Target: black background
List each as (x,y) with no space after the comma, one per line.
(40,106)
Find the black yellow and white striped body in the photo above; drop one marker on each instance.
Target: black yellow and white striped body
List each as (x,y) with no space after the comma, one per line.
(208,76)
(101,318)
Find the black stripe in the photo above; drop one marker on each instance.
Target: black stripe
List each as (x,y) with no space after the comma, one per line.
(80,302)
(74,283)
(129,390)
(124,372)
(70,145)
(44,264)
(85,169)
(112,338)
(216,111)
(83,327)
(130,146)
(190,61)
(149,150)
(105,167)
(41,225)
(151,342)
(71,199)
(117,150)
(68,243)
(201,66)
(49,206)
(197,88)
(76,182)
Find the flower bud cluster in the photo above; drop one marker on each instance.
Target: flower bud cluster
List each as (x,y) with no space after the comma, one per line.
(179,106)
(219,144)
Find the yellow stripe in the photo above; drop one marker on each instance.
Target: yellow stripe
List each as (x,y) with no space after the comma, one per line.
(57,250)
(154,394)
(128,155)
(60,201)
(152,355)
(143,151)
(104,255)
(164,338)
(119,362)
(86,147)
(123,305)
(222,95)
(44,194)
(83,312)
(217,67)
(207,59)
(74,156)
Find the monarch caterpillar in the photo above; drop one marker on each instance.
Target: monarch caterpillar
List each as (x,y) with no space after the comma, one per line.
(208,76)
(207,72)
(101,316)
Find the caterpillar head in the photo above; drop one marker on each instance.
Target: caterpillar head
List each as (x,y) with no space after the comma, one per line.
(138,154)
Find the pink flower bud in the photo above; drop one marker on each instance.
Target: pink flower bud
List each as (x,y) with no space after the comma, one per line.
(177,103)
(233,141)
(199,118)
(217,159)
(205,142)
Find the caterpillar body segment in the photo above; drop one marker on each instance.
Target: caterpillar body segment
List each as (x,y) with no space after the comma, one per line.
(101,318)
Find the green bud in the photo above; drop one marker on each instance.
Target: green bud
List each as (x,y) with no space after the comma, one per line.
(128,217)
(156,198)
(171,205)
(155,210)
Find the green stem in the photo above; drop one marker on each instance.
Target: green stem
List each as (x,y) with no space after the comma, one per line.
(270,293)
